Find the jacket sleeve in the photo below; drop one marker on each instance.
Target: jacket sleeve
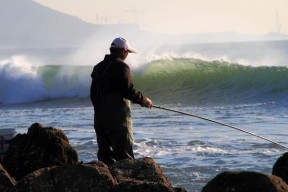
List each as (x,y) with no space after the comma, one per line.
(128,88)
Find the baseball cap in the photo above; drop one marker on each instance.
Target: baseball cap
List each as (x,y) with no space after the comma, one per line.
(122,43)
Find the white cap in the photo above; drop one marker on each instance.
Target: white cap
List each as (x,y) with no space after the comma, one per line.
(122,43)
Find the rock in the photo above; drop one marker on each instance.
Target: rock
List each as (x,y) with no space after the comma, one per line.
(40,147)
(43,160)
(6,181)
(245,182)
(140,175)
(72,178)
(280,168)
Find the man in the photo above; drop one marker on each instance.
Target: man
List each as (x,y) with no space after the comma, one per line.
(112,89)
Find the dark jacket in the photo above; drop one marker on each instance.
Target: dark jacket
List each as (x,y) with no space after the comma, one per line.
(113,75)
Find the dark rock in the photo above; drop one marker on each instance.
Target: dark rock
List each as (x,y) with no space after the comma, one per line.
(96,177)
(43,160)
(141,186)
(280,168)
(140,175)
(6,181)
(40,147)
(72,178)
(245,182)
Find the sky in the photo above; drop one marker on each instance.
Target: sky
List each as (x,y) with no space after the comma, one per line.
(253,17)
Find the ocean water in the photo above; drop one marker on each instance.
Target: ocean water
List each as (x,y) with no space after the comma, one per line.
(241,84)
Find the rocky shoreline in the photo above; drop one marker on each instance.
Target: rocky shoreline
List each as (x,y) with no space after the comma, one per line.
(43,160)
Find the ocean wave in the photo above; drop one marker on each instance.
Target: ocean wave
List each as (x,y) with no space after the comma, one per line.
(173,80)
(22,81)
(197,81)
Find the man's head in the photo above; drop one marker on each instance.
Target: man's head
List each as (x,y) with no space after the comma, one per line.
(121,47)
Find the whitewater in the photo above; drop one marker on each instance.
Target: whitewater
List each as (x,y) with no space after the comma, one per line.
(244,84)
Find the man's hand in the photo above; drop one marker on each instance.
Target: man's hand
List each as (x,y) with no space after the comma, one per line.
(148,103)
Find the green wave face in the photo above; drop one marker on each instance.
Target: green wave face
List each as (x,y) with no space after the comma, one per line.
(197,82)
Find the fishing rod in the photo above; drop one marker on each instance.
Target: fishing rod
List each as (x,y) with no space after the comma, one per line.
(220,123)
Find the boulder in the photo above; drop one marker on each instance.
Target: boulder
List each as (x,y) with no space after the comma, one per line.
(280,168)
(72,178)
(140,175)
(245,182)
(40,147)
(43,160)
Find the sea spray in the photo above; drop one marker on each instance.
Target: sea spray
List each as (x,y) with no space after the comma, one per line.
(19,81)
(23,81)
(66,81)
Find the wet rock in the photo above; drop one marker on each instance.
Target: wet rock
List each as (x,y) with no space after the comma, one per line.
(6,181)
(43,160)
(245,182)
(73,178)
(40,147)
(280,168)
(140,175)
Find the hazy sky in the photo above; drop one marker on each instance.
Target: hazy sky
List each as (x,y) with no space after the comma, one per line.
(182,16)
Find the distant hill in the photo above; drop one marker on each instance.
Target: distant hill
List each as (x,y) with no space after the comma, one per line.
(25,23)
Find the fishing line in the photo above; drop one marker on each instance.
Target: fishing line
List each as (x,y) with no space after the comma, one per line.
(220,123)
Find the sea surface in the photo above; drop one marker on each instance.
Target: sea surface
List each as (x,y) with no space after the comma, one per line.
(242,84)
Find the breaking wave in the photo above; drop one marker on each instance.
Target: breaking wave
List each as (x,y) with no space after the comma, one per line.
(174,80)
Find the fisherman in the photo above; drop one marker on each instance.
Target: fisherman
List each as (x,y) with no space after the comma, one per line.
(111,91)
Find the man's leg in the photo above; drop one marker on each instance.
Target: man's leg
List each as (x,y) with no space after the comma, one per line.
(104,153)
(122,140)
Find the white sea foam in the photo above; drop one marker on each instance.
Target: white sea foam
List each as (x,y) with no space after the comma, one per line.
(20,81)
